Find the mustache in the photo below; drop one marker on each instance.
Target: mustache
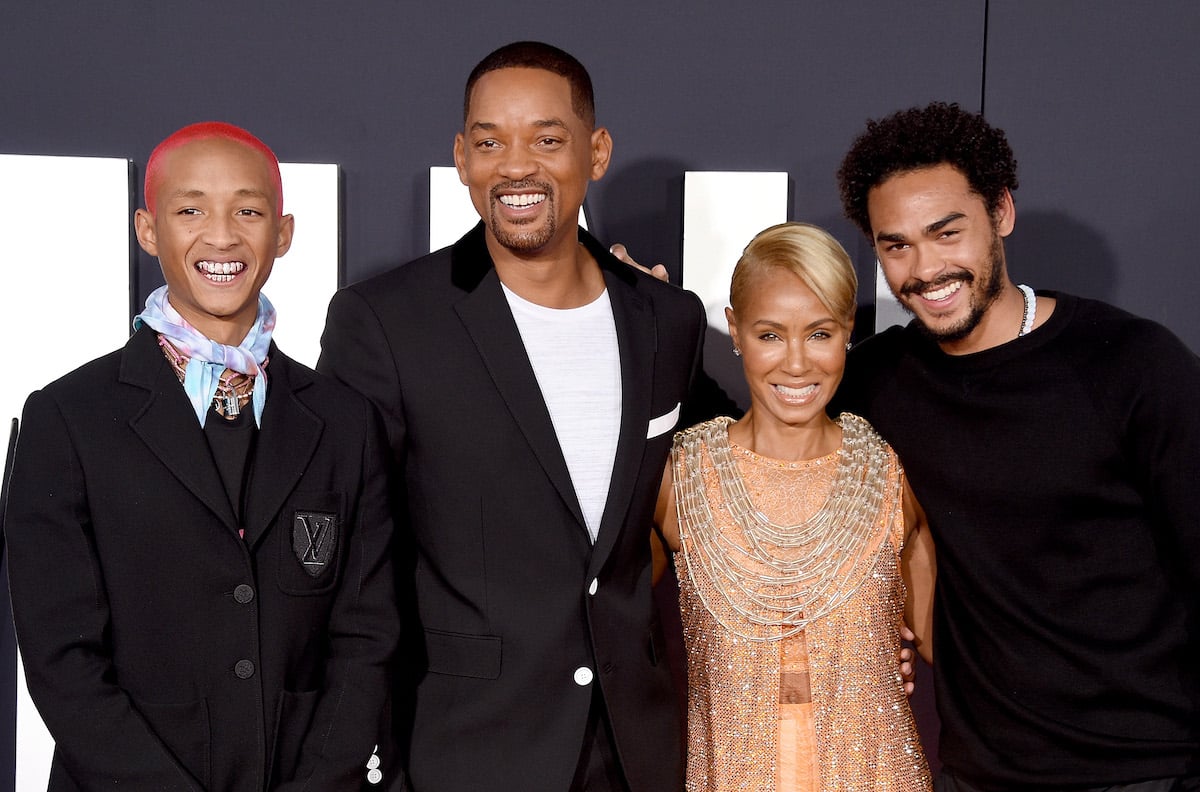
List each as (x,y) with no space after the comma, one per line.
(917,286)
(523,184)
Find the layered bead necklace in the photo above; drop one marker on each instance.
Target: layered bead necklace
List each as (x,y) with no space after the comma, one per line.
(774,579)
(234,388)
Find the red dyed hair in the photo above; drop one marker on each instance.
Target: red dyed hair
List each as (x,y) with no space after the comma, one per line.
(204,131)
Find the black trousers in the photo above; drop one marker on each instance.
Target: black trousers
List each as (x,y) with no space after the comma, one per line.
(599,768)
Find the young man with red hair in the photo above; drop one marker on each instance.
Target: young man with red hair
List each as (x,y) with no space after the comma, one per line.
(198,527)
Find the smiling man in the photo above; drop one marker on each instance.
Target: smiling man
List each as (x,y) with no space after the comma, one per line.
(199,560)
(1055,446)
(530,383)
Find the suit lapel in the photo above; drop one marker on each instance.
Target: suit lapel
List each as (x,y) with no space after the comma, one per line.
(168,427)
(286,444)
(488,320)
(636,340)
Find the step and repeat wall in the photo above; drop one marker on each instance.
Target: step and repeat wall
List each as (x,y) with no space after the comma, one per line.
(725,119)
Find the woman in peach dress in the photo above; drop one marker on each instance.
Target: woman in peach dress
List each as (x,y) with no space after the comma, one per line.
(799,550)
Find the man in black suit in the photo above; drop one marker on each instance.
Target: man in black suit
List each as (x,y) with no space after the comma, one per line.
(530,384)
(200,563)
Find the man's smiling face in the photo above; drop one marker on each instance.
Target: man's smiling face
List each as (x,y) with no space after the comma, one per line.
(939,248)
(216,230)
(527,158)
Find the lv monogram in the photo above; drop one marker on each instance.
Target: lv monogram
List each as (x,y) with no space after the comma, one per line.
(314,538)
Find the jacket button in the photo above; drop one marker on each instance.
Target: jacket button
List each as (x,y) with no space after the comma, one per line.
(595,585)
(243,594)
(374,774)
(583,676)
(244,669)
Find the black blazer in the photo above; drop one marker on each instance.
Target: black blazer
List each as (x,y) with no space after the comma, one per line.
(517,609)
(163,651)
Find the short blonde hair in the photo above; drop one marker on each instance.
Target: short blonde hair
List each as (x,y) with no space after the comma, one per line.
(812,254)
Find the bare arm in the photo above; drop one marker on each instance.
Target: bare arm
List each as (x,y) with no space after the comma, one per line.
(918,566)
(665,536)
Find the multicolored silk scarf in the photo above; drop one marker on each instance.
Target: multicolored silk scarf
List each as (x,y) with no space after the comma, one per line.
(208,358)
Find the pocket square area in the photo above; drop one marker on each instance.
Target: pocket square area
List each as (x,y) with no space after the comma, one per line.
(663,423)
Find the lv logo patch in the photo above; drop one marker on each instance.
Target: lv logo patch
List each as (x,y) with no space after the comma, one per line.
(314,538)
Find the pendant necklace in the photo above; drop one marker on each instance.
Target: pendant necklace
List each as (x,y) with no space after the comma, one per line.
(234,388)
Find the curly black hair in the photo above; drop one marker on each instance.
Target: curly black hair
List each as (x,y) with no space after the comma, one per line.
(919,137)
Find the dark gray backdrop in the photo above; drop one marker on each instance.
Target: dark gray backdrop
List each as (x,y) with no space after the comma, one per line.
(1098,98)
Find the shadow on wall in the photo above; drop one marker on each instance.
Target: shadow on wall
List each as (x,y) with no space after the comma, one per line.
(726,368)
(640,204)
(645,213)
(1052,250)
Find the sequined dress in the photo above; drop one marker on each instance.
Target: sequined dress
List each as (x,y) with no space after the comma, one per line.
(802,705)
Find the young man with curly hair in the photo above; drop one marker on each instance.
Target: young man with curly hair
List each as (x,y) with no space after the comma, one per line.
(1043,435)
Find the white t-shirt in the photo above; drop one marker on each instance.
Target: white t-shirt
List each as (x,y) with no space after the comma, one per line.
(578,367)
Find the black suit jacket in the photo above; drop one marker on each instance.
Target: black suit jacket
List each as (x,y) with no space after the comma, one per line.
(520,616)
(163,651)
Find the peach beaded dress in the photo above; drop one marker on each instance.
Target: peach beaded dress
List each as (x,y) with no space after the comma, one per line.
(787,704)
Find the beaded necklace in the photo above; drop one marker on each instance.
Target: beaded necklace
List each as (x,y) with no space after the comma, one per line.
(773,580)
(234,388)
(1029,314)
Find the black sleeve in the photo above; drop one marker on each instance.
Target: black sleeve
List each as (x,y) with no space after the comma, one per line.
(866,365)
(363,632)
(355,350)
(62,618)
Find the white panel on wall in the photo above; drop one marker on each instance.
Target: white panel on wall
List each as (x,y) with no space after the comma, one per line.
(722,211)
(303,281)
(64,229)
(887,310)
(451,213)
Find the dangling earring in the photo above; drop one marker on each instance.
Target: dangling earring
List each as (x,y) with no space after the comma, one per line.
(737,352)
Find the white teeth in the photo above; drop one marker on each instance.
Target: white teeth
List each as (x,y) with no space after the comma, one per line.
(797,393)
(220,271)
(522,200)
(944,292)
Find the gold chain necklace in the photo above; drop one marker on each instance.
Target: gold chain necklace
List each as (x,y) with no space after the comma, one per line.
(773,580)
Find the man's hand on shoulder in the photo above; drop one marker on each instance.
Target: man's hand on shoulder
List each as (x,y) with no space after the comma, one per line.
(658,270)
